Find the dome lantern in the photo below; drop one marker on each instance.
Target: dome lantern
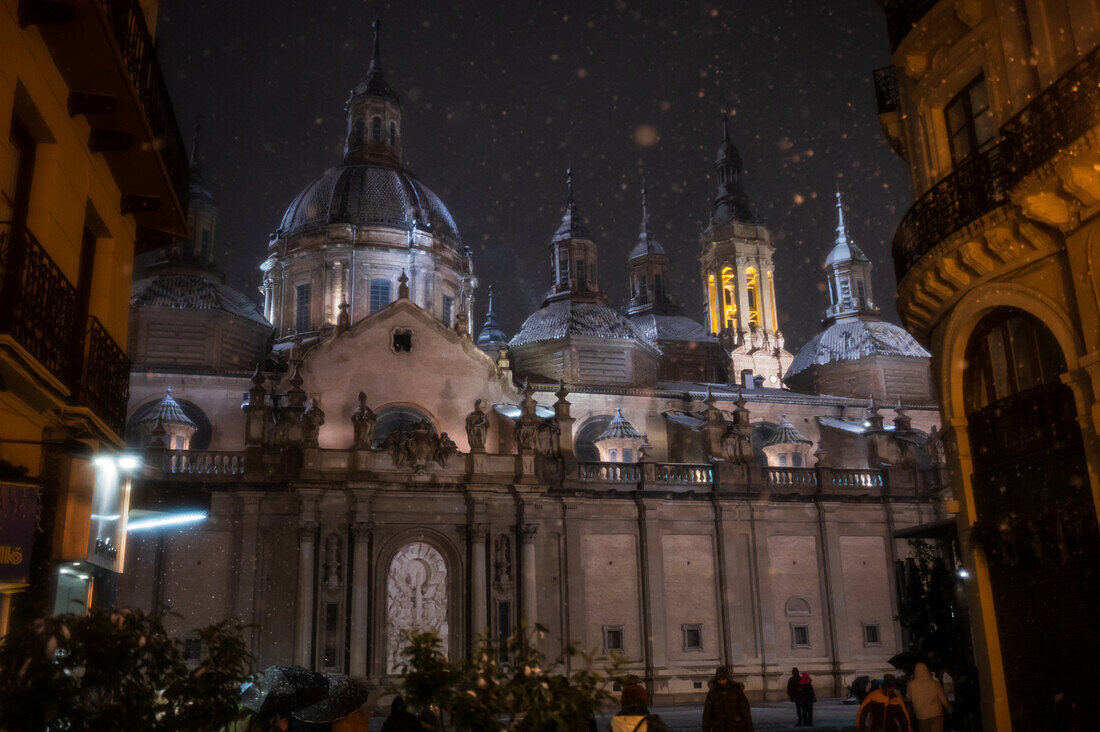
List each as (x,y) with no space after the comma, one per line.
(374,116)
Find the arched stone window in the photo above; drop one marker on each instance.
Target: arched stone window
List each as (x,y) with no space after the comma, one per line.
(416,598)
(797,607)
(729,297)
(376,129)
(396,418)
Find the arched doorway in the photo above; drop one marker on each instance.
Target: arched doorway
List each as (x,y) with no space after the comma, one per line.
(1035,518)
(416,599)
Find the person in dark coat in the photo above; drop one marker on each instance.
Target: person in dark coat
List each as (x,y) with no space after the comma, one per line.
(792,693)
(805,699)
(401,719)
(726,708)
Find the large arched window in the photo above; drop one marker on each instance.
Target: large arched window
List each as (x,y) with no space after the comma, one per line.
(712,295)
(752,288)
(584,444)
(396,418)
(1009,352)
(729,297)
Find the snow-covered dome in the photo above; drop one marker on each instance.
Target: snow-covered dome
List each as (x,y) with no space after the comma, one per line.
(853,338)
(369,195)
(570,318)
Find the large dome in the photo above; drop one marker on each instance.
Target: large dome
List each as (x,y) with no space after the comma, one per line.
(855,338)
(567,318)
(366,195)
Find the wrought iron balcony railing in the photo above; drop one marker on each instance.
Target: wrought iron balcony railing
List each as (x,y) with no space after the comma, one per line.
(38,308)
(1066,110)
(105,378)
(139,53)
(37,301)
(902,16)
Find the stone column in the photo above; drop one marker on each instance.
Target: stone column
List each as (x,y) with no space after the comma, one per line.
(303,647)
(530,586)
(360,597)
(479,618)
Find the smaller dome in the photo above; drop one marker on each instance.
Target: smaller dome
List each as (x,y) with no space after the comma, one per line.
(619,429)
(786,434)
(567,318)
(853,338)
(168,412)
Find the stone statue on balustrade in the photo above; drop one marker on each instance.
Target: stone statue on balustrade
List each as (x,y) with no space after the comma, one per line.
(477,427)
(312,419)
(528,424)
(737,445)
(444,448)
(362,423)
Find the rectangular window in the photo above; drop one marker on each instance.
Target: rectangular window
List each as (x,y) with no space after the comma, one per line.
(796,459)
(580,274)
(16,193)
(628,455)
(448,308)
(861,293)
(871,635)
(969,121)
(800,636)
(614,455)
(379,293)
(612,638)
(783,460)
(301,307)
(693,637)
(563,267)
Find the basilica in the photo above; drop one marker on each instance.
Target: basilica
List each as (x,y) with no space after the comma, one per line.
(665,482)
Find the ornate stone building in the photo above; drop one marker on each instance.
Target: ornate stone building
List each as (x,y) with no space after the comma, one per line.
(387,471)
(995,106)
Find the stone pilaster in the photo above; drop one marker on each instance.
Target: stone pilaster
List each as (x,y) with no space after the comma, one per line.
(307,548)
(360,598)
(527,534)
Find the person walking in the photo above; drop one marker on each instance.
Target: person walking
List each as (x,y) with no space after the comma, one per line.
(805,701)
(883,710)
(401,719)
(792,693)
(726,708)
(633,714)
(929,701)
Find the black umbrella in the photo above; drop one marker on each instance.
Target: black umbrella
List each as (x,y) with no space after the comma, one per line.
(906,660)
(345,695)
(283,689)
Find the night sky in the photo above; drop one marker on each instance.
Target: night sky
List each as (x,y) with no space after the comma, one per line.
(500,98)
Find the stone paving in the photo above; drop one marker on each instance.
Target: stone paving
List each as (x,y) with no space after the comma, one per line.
(829,714)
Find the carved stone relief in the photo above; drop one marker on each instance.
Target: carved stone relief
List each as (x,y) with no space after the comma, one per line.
(416,598)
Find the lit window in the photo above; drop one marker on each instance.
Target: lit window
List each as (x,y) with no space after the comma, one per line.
(448,308)
(693,637)
(752,286)
(800,636)
(379,293)
(969,121)
(376,129)
(613,638)
(712,295)
(301,307)
(729,295)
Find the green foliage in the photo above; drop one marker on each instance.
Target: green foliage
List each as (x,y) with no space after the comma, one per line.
(117,671)
(527,694)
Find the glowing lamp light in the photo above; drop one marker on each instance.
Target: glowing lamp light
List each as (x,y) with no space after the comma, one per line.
(127,462)
(103,461)
(963,574)
(176,519)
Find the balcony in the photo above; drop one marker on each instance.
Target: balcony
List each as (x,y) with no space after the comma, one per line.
(105,53)
(902,16)
(886,90)
(39,311)
(1065,111)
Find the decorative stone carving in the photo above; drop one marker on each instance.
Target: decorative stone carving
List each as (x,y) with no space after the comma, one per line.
(934,448)
(527,532)
(307,532)
(416,598)
(361,531)
(415,446)
(362,423)
(462,323)
(403,286)
(502,562)
(477,427)
(333,563)
(312,419)
(528,424)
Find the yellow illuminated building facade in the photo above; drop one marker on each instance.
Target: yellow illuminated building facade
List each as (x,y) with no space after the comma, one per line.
(92,171)
(995,106)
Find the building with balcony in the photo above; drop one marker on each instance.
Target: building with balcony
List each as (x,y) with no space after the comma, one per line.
(995,106)
(626,476)
(94,172)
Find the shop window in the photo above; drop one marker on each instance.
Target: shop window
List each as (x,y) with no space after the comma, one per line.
(612,638)
(693,636)
(969,121)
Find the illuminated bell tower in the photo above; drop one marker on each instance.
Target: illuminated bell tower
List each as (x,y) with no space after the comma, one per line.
(738,276)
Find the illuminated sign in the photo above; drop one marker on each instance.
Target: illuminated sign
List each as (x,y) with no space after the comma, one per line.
(18,519)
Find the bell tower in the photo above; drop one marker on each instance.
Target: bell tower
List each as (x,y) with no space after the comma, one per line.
(738,275)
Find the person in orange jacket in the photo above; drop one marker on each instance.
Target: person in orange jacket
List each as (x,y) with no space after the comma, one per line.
(883,710)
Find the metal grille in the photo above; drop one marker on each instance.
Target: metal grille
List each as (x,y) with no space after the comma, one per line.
(105,384)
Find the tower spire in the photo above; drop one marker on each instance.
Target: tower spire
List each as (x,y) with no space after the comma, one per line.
(491,336)
(731,204)
(841,232)
(571,226)
(194,161)
(376,52)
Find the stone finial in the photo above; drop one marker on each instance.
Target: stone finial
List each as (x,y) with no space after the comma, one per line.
(343,320)
(403,286)
(258,378)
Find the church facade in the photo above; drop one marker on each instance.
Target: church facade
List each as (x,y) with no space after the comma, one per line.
(633,479)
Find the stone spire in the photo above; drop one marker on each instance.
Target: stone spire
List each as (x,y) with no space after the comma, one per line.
(646,243)
(849,275)
(572,255)
(571,226)
(491,337)
(374,115)
(647,272)
(731,204)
